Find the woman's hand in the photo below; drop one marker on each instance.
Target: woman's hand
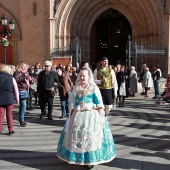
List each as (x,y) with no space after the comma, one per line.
(72,110)
(17,103)
(104,80)
(52,89)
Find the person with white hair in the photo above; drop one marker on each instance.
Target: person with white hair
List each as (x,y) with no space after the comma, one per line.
(47,80)
(147,78)
(133,81)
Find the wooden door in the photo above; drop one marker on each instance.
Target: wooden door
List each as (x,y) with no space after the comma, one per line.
(9,59)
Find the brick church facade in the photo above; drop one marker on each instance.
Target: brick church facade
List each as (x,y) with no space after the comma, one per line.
(42,26)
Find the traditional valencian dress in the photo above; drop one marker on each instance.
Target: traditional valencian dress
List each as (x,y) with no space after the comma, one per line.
(86,138)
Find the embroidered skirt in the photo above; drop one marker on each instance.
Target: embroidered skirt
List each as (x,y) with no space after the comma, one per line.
(86,140)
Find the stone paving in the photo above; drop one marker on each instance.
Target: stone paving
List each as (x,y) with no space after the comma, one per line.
(141,131)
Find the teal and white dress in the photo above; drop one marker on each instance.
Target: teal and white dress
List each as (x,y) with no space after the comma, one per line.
(86,138)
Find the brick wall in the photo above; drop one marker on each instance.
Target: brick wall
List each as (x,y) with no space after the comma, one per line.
(31,17)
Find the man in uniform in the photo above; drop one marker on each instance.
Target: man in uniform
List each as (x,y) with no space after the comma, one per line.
(106,80)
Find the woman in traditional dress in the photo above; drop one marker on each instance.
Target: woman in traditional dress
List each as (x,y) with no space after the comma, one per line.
(86,138)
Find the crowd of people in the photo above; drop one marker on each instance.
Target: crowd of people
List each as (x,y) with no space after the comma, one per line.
(86,95)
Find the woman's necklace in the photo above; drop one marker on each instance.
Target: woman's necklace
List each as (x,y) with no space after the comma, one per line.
(84,86)
(83,90)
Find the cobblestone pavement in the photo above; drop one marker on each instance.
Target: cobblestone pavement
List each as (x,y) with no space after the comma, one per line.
(141,131)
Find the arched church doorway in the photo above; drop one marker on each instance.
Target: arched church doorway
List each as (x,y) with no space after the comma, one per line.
(109,36)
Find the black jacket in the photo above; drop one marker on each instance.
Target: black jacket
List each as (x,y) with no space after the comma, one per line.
(45,82)
(123,77)
(7,96)
(156,75)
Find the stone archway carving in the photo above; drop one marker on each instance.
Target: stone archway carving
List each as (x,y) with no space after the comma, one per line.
(77,17)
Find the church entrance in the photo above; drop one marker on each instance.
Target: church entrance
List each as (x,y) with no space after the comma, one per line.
(109,36)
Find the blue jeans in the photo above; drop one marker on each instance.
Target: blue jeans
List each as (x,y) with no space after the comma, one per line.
(156,88)
(22,109)
(65,104)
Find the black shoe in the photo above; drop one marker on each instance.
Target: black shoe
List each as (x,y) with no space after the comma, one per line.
(90,166)
(62,117)
(11,133)
(42,115)
(155,97)
(24,123)
(50,118)
(45,113)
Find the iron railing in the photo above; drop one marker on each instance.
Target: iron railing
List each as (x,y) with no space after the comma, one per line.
(137,55)
(71,50)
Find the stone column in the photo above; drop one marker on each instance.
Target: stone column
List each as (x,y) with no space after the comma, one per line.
(167,34)
(167,43)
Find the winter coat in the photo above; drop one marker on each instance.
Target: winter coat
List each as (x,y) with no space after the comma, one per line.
(7,96)
(147,79)
(21,80)
(133,82)
(47,80)
(122,78)
(65,84)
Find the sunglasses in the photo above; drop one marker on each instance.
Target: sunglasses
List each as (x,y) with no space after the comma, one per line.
(46,66)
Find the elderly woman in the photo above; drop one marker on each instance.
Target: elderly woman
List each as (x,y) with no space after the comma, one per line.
(8,96)
(133,81)
(147,80)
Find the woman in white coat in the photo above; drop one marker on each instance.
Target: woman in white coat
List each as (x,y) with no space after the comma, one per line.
(147,81)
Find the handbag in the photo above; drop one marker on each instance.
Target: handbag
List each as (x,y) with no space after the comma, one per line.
(24,94)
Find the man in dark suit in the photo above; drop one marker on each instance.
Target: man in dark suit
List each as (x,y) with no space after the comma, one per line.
(47,80)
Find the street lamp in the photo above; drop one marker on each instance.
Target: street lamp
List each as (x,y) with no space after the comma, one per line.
(6,32)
